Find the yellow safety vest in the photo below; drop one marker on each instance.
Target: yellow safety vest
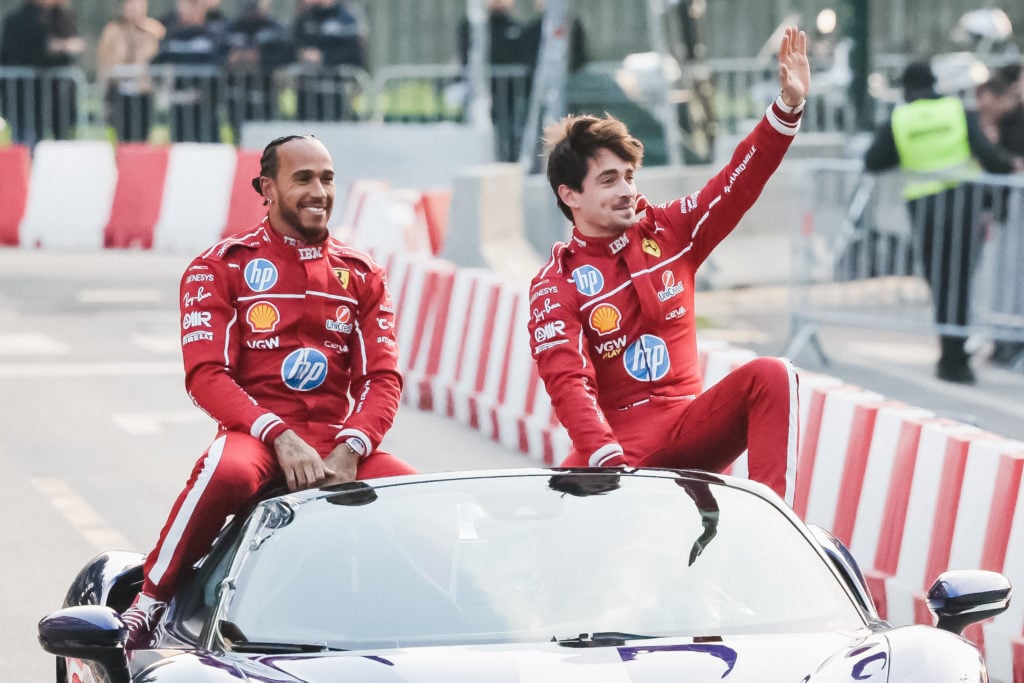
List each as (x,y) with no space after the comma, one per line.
(931,136)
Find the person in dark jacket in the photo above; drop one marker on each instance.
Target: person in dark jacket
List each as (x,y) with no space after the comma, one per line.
(41,34)
(256,44)
(510,47)
(934,134)
(194,48)
(328,34)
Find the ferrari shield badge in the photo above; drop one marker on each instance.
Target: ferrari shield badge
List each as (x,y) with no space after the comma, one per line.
(651,247)
(343,276)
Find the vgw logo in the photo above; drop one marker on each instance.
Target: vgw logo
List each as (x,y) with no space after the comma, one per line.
(588,280)
(646,359)
(260,275)
(304,369)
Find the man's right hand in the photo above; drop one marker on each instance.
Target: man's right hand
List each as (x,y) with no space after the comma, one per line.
(302,466)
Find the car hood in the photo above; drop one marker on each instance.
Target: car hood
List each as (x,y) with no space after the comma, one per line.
(827,658)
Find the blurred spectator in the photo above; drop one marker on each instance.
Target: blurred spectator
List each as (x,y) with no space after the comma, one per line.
(930,134)
(194,49)
(41,34)
(510,89)
(256,45)
(994,99)
(126,47)
(215,18)
(577,48)
(1009,234)
(328,33)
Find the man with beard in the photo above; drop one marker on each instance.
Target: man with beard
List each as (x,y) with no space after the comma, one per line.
(280,325)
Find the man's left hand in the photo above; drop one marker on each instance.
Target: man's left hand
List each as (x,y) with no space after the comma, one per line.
(344,461)
(794,69)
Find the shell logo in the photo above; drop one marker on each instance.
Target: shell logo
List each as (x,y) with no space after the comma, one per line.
(604,319)
(343,314)
(263,316)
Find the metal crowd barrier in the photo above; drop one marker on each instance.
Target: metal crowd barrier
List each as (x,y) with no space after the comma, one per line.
(744,87)
(41,104)
(862,258)
(441,92)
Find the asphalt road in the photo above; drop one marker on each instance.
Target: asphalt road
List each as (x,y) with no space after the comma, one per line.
(97,434)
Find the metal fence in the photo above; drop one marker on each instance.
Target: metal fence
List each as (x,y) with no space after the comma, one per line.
(209,104)
(42,103)
(945,264)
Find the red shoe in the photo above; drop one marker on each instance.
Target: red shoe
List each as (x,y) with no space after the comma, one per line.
(141,620)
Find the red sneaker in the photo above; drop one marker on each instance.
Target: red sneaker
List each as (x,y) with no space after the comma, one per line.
(141,620)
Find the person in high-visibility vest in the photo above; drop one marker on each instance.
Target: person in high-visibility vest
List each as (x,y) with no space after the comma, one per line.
(936,140)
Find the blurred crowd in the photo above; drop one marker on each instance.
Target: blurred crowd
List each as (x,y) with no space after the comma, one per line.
(198,39)
(223,65)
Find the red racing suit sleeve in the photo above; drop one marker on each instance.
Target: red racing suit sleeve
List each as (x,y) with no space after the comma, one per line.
(707,216)
(559,348)
(376,380)
(210,346)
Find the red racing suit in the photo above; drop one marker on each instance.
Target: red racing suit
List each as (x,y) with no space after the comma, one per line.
(613,332)
(277,334)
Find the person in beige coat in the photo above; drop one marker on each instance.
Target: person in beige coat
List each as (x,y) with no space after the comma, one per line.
(126,47)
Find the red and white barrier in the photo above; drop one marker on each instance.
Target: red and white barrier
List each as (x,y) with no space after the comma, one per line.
(15,167)
(896,428)
(141,171)
(1003,551)
(847,417)
(931,511)
(68,207)
(194,209)
(475,354)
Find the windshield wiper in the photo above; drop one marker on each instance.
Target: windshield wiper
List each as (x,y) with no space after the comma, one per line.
(282,648)
(599,639)
(237,642)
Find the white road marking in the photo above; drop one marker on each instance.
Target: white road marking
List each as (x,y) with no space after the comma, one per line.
(118,296)
(66,370)
(30,344)
(80,515)
(147,424)
(163,343)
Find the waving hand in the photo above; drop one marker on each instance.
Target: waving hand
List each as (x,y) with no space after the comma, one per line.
(794,69)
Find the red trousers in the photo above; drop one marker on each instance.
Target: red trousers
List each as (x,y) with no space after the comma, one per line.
(226,479)
(753,408)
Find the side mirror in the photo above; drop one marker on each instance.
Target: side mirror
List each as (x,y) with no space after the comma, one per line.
(91,632)
(962,597)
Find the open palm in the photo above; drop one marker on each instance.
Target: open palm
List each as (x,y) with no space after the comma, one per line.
(794,69)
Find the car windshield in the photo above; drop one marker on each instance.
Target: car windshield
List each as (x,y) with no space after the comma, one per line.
(530,558)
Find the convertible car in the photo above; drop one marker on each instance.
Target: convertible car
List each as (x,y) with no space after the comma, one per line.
(515,576)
